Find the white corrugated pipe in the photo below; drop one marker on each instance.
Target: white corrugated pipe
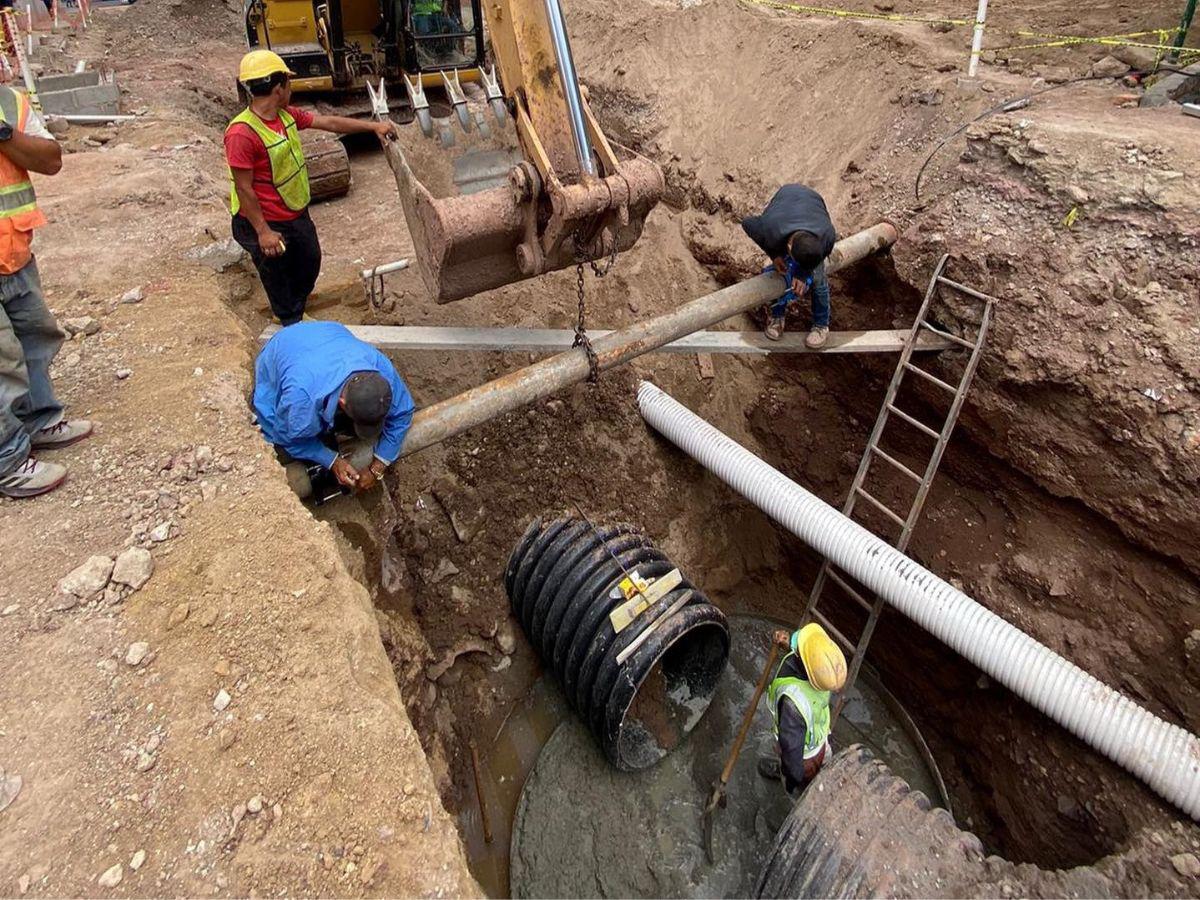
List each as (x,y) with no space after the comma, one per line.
(1164,756)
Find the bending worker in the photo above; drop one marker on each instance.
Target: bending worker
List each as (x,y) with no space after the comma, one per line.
(324,397)
(268,177)
(795,231)
(800,698)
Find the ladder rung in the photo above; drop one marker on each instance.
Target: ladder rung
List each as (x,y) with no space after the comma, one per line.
(837,635)
(895,462)
(970,292)
(932,379)
(845,586)
(879,506)
(962,342)
(913,422)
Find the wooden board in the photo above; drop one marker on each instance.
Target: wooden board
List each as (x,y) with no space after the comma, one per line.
(551,340)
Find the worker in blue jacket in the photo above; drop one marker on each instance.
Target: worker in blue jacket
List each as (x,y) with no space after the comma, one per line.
(795,231)
(314,382)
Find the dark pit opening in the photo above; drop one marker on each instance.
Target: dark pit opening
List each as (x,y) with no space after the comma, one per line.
(673,695)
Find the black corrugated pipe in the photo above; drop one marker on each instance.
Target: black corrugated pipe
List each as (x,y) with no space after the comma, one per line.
(563,581)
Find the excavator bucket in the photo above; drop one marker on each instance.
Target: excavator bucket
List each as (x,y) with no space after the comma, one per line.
(470,240)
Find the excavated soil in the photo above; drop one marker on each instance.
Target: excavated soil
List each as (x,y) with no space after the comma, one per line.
(1066,502)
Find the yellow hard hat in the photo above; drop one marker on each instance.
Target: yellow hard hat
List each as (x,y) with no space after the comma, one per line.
(260,64)
(822,658)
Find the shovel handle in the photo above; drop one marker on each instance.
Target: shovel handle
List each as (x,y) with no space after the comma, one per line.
(736,751)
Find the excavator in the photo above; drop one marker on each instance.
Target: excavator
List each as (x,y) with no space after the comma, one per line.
(567,195)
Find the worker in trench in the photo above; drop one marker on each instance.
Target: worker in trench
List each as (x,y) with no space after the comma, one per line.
(795,231)
(326,399)
(800,696)
(269,192)
(31,415)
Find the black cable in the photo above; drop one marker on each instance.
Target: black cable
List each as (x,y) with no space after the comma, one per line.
(1020,103)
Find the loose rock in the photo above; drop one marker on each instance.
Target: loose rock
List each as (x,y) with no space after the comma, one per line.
(89,578)
(1186,864)
(222,700)
(254,805)
(137,860)
(178,615)
(133,295)
(84,325)
(122,374)
(1109,67)
(133,568)
(161,532)
(111,877)
(137,653)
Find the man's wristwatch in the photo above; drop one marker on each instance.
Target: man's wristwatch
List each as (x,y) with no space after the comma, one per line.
(6,131)
(377,468)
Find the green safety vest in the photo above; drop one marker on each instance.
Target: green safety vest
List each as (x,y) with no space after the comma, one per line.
(289,173)
(813,706)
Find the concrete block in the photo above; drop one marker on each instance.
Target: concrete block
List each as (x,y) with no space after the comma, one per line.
(1178,86)
(82,93)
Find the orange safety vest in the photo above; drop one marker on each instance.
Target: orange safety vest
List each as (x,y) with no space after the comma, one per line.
(19,213)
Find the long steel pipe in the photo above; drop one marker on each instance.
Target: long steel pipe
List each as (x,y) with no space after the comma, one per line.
(480,404)
(1164,756)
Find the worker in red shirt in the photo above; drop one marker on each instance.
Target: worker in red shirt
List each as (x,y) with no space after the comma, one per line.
(269,192)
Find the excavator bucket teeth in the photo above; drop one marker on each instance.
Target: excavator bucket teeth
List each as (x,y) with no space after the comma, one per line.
(482,239)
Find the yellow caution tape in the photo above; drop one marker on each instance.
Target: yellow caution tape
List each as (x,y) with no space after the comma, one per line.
(1163,35)
(858,14)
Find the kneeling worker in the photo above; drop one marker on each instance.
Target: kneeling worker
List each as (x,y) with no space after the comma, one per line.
(800,705)
(315,382)
(796,232)
(269,193)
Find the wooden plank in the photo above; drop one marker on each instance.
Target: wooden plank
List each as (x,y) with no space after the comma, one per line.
(551,340)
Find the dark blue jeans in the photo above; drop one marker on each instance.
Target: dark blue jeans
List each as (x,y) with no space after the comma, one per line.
(820,300)
(29,340)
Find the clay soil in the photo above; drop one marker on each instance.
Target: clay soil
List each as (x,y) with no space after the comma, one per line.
(366,643)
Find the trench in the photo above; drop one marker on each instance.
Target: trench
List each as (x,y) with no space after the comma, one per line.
(431,549)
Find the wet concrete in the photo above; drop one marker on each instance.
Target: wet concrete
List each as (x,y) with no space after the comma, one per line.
(582,828)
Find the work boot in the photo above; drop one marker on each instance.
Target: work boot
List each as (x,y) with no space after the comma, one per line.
(31,478)
(769,768)
(817,337)
(774,329)
(64,434)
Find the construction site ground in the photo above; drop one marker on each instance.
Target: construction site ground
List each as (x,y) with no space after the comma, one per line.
(285,706)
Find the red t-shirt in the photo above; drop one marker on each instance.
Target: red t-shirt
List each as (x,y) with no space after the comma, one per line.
(244,149)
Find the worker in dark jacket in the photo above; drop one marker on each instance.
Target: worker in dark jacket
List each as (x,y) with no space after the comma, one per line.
(314,381)
(800,697)
(795,231)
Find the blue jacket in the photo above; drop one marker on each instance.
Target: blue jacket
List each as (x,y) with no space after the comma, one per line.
(298,378)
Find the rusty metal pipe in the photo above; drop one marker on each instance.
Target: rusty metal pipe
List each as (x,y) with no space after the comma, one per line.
(455,415)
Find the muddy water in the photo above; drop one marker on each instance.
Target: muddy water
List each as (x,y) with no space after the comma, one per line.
(568,824)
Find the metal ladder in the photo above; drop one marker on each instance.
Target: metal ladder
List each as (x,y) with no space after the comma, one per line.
(874,605)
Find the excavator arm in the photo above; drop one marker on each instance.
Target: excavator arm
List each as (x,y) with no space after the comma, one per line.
(574,196)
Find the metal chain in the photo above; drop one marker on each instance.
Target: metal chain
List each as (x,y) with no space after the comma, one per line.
(581,337)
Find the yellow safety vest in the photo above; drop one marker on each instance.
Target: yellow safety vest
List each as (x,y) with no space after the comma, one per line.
(19,213)
(289,173)
(813,706)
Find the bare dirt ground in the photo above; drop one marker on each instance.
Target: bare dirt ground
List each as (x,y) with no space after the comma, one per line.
(1068,502)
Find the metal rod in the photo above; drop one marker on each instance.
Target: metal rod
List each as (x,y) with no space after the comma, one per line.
(570,86)
(455,415)
(1181,34)
(89,119)
(483,813)
(385,269)
(977,38)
